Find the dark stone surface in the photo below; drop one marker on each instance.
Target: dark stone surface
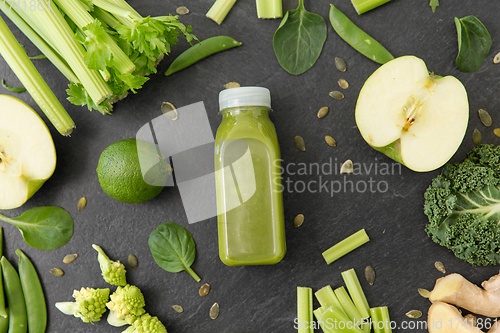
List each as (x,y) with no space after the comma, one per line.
(263,299)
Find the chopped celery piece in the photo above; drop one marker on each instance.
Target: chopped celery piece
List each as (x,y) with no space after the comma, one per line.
(358,296)
(305,310)
(332,321)
(350,309)
(381,320)
(347,245)
(326,297)
(269,9)
(220,9)
(31,79)
(362,6)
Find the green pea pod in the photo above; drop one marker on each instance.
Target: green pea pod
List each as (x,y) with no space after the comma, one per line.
(18,321)
(357,38)
(33,295)
(200,51)
(4,325)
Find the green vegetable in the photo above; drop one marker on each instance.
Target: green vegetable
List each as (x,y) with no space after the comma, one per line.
(356,292)
(357,38)
(90,304)
(332,315)
(347,245)
(18,321)
(33,295)
(3,311)
(146,324)
(269,9)
(126,305)
(304,310)
(327,298)
(13,89)
(381,320)
(200,51)
(474,43)
(220,9)
(362,6)
(462,207)
(44,228)
(434,4)
(350,309)
(113,272)
(4,325)
(299,40)
(173,248)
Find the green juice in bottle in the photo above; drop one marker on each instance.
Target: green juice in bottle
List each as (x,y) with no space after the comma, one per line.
(248,180)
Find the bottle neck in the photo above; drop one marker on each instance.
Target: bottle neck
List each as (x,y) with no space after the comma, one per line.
(245,111)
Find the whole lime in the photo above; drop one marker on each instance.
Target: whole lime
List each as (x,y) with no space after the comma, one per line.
(119,171)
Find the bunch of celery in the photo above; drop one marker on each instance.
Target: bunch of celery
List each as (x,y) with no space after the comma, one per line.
(103,47)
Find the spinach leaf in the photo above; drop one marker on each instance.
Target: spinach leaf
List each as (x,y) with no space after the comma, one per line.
(299,40)
(173,248)
(13,89)
(474,42)
(434,4)
(44,228)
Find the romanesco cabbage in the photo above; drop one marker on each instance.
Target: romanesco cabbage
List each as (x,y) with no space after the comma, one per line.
(89,306)
(113,272)
(146,324)
(126,305)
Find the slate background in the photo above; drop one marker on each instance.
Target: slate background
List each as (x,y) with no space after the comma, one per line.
(263,299)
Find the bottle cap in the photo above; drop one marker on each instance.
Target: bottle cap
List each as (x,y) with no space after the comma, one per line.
(244,96)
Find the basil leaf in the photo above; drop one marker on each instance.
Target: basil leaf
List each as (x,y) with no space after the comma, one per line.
(299,40)
(44,228)
(13,89)
(474,43)
(173,248)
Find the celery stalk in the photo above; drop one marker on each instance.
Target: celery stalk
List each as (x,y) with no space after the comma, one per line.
(381,320)
(125,5)
(347,245)
(29,76)
(305,310)
(220,9)
(269,9)
(358,296)
(350,309)
(105,17)
(362,6)
(326,297)
(114,9)
(333,321)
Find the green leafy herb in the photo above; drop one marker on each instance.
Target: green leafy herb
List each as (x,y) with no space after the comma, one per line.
(299,40)
(173,248)
(434,4)
(13,89)
(474,43)
(44,228)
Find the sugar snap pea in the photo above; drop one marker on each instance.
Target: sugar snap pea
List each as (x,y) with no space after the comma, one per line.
(18,322)
(200,51)
(357,38)
(33,295)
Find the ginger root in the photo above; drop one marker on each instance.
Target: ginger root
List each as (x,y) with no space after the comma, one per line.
(445,318)
(455,289)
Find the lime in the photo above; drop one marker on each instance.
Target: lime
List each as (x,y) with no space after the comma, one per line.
(119,171)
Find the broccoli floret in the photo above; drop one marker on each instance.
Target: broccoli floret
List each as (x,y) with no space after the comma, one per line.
(462,207)
(146,324)
(126,305)
(113,272)
(89,306)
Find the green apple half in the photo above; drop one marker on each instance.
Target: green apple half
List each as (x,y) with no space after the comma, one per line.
(27,152)
(415,118)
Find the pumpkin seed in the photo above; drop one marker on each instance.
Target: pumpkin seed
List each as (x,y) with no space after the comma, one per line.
(204,290)
(330,141)
(343,84)
(178,308)
(82,203)
(336,95)
(485,117)
(298,220)
(231,85)
(340,64)
(132,261)
(182,10)
(424,292)
(496,59)
(214,311)
(57,272)
(323,112)
(169,110)
(414,314)
(347,167)
(476,136)
(496,131)
(440,267)
(70,258)
(299,143)
(370,275)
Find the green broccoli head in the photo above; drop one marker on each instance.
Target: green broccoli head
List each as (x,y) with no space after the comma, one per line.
(463,207)
(146,324)
(126,305)
(89,306)
(113,272)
